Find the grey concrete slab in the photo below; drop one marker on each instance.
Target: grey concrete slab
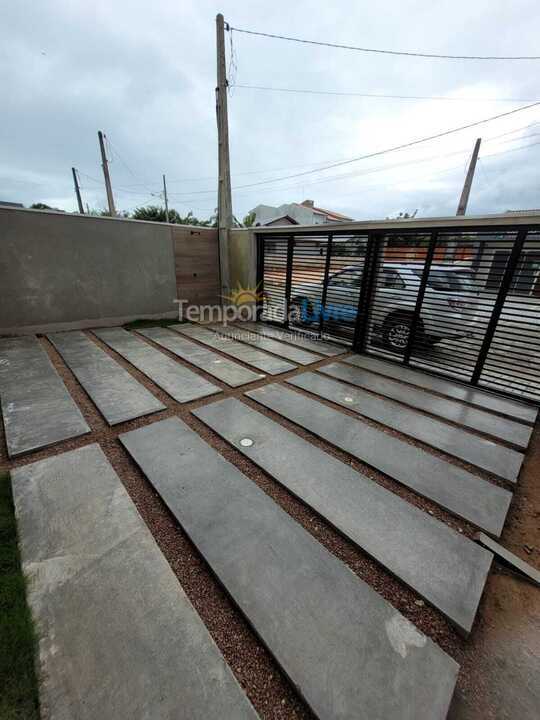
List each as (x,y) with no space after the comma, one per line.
(249,355)
(486,400)
(36,407)
(349,652)
(515,562)
(443,566)
(225,370)
(118,638)
(479,451)
(453,410)
(313,344)
(453,488)
(296,355)
(116,394)
(180,383)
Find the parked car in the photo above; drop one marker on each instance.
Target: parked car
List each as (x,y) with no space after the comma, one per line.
(449,310)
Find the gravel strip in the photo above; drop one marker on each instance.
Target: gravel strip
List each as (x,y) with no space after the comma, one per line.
(270,692)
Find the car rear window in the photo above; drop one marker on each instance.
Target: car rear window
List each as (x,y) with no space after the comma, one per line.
(449,280)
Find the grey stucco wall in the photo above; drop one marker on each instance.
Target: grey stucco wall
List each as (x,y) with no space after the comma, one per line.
(62,271)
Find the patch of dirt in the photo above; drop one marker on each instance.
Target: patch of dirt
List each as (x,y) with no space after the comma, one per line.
(500,672)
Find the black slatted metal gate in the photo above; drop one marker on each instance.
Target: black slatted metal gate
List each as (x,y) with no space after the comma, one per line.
(461,303)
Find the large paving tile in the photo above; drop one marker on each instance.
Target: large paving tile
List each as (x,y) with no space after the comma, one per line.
(513,561)
(453,410)
(487,400)
(349,652)
(294,354)
(36,407)
(444,567)
(225,370)
(323,347)
(118,638)
(116,394)
(180,383)
(483,453)
(453,488)
(249,355)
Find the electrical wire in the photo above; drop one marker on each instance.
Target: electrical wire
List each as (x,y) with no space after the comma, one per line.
(88,177)
(384,169)
(119,190)
(465,151)
(382,52)
(114,151)
(377,153)
(380,96)
(295,167)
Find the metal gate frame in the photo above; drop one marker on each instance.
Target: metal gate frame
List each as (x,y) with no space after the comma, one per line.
(371,261)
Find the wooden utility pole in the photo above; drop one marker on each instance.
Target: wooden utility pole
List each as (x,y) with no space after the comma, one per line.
(77,190)
(464,199)
(225,214)
(105,166)
(166,199)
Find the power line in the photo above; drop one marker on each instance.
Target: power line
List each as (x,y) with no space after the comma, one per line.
(377,153)
(511,132)
(317,165)
(294,167)
(384,52)
(379,96)
(383,169)
(99,182)
(403,146)
(114,151)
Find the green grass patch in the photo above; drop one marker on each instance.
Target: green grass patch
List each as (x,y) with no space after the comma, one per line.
(139,324)
(18,683)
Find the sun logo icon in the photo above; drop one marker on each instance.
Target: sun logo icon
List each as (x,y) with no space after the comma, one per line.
(244,296)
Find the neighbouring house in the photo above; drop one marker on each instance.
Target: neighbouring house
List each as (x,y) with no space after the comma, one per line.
(281,220)
(6,203)
(304,213)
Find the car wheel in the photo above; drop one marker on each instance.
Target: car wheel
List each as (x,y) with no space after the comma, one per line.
(396,333)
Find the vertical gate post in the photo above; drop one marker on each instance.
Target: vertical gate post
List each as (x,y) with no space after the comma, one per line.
(325,283)
(371,262)
(288,279)
(420,297)
(506,282)
(259,239)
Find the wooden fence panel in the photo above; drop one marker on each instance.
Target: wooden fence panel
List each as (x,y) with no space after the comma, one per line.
(196,258)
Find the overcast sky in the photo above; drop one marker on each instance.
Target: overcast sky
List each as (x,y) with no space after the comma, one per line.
(144,73)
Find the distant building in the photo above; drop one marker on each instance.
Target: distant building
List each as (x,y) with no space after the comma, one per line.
(304,213)
(281,220)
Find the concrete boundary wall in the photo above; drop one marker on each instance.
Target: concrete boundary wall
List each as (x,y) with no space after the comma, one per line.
(64,271)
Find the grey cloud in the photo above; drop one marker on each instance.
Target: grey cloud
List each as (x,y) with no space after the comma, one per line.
(145,74)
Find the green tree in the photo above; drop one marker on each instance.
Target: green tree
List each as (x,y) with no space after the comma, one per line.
(42,206)
(404,216)
(155,213)
(102,212)
(249,219)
